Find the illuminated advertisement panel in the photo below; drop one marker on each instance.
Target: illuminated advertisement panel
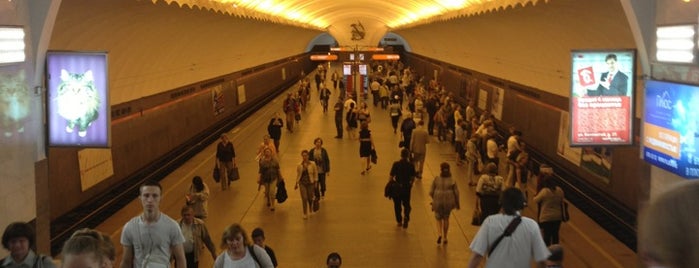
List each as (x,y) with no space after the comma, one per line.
(347,69)
(78,104)
(362,69)
(671,127)
(601,102)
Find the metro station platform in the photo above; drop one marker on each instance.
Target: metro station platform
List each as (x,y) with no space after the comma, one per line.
(354,219)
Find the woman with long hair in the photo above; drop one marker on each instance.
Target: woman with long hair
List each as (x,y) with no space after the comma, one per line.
(445,198)
(198,198)
(550,201)
(320,157)
(306,178)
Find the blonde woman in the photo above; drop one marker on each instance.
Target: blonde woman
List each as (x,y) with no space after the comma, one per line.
(306,179)
(239,252)
(445,198)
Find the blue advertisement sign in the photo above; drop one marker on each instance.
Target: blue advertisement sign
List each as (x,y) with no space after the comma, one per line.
(671,127)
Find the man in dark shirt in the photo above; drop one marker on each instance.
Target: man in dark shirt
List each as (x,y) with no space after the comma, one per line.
(338,118)
(403,172)
(258,236)
(225,156)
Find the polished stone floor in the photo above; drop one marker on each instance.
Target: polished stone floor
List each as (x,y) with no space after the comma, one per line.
(355,219)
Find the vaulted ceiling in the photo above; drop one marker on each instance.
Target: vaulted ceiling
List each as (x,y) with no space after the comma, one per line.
(353,22)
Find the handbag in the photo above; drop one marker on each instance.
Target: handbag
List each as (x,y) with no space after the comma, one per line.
(564,212)
(297,117)
(374,157)
(401,144)
(233,174)
(391,190)
(217,174)
(281,195)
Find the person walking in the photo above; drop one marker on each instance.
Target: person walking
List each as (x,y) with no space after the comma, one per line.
(269,175)
(152,238)
(87,248)
(366,145)
(550,202)
(418,147)
(274,129)
(395,111)
(225,156)
(403,172)
(445,198)
(258,237)
(324,96)
(238,251)
(320,157)
(523,243)
(306,178)
(198,198)
(19,239)
(196,237)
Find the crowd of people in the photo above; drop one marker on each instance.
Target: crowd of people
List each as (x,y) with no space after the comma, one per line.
(418,110)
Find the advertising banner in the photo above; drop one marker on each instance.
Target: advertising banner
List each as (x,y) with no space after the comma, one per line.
(78,105)
(601,101)
(671,127)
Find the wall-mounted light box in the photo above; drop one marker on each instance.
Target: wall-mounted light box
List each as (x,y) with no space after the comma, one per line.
(11,44)
(676,43)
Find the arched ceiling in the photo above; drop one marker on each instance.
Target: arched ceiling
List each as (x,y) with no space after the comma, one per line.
(353,22)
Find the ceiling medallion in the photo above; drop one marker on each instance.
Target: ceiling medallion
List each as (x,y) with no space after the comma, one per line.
(358,31)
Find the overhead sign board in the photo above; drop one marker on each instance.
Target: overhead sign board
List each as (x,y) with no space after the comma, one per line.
(385,57)
(329,57)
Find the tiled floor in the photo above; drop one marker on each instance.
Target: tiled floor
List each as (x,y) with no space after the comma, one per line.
(354,219)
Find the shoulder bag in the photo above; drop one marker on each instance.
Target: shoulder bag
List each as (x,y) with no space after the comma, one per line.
(564,212)
(508,232)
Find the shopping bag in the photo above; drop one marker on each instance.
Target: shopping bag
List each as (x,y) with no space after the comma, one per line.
(233,174)
(281,192)
(217,174)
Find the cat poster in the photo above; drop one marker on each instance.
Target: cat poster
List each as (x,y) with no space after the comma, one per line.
(78,99)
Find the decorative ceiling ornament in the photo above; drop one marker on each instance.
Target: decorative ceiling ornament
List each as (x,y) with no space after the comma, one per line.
(358,31)
(321,14)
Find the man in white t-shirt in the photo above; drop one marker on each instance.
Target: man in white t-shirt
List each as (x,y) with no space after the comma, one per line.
(150,238)
(517,250)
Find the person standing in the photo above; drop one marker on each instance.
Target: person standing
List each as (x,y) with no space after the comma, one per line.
(488,190)
(320,157)
(238,251)
(306,178)
(258,237)
(196,236)
(366,145)
(472,159)
(338,118)
(225,156)
(550,202)
(274,129)
(269,174)
(19,238)
(445,198)
(198,198)
(418,147)
(152,238)
(403,172)
(523,244)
